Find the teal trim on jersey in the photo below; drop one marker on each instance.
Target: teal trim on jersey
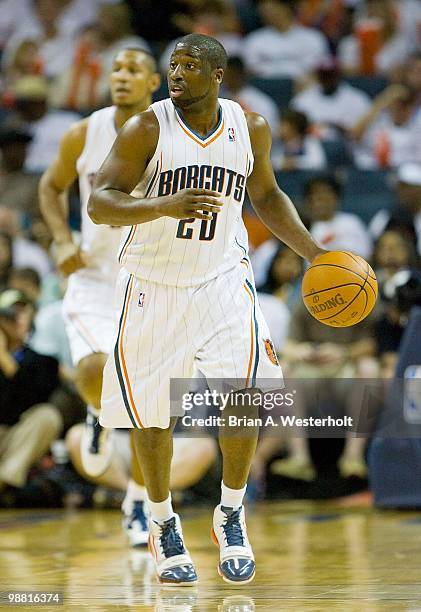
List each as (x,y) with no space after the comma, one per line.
(256,331)
(202,138)
(241,247)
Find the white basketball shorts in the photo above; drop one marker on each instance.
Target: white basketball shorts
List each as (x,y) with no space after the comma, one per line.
(89,316)
(167,332)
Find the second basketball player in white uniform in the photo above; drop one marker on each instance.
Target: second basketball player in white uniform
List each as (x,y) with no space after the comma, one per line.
(92,266)
(185,293)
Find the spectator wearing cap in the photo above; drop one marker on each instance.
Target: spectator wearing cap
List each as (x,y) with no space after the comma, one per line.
(389,134)
(332,105)
(406,217)
(297,149)
(330,227)
(283,48)
(235,87)
(18,189)
(46,126)
(28,421)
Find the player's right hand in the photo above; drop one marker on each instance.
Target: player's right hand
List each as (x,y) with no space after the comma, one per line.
(190,203)
(69,258)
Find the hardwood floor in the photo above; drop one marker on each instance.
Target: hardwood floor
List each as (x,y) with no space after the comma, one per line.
(310,557)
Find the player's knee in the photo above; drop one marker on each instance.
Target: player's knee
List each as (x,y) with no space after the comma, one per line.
(48,419)
(89,377)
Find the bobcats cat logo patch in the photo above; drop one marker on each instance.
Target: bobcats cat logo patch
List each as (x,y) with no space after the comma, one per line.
(271,351)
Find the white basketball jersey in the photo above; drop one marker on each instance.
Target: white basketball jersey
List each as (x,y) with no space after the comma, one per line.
(99,242)
(192,251)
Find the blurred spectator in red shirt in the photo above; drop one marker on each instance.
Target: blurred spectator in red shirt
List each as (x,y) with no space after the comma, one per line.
(378,44)
(84,86)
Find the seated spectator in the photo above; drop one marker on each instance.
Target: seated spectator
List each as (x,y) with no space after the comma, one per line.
(45,125)
(84,86)
(332,105)
(280,293)
(411,78)
(330,227)
(12,15)
(378,45)
(409,19)
(26,254)
(283,279)
(6,259)
(235,87)
(393,252)
(390,327)
(283,48)
(29,423)
(388,134)
(215,18)
(18,189)
(27,281)
(407,215)
(332,358)
(55,43)
(26,61)
(297,150)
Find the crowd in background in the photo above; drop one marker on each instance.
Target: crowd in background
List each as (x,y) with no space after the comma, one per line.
(339,82)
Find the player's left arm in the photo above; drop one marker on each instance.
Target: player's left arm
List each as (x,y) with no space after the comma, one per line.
(271,204)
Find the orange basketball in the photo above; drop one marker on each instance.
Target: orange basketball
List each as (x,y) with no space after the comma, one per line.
(339,289)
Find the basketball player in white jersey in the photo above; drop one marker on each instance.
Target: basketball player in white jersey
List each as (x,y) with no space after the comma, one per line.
(185,291)
(92,266)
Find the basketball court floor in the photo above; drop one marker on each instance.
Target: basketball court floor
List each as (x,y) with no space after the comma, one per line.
(310,557)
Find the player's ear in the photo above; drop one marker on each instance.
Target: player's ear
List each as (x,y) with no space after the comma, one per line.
(219,75)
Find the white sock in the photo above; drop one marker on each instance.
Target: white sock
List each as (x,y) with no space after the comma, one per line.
(134,492)
(161,511)
(93,410)
(232,498)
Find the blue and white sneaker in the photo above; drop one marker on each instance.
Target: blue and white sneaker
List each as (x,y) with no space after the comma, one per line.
(135,523)
(236,559)
(174,566)
(95,446)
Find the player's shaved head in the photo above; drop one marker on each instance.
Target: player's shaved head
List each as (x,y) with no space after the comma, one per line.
(208,47)
(149,59)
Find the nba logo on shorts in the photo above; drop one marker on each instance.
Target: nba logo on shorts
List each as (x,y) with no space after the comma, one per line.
(141,299)
(231,134)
